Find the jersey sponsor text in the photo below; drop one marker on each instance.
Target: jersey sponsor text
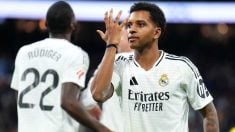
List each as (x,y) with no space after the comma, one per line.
(148,101)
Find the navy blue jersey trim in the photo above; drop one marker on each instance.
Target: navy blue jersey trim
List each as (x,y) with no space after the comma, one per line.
(160,58)
(130,57)
(172,57)
(135,64)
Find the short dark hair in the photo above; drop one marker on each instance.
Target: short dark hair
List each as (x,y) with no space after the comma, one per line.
(59,17)
(156,14)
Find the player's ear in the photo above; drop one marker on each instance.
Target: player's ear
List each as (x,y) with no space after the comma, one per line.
(46,24)
(157,32)
(73,25)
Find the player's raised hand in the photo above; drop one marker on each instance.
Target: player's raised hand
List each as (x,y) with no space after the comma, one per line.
(113,28)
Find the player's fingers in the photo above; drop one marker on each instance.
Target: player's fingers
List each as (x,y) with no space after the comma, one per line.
(123,24)
(106,21)
(118,16)
(110,16)
(101,33)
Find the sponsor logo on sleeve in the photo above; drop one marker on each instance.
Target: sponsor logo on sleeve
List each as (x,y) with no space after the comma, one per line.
(80,73)
(202,90)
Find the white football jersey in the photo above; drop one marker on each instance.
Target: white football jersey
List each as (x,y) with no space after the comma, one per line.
(112,114)
(40,70)
(157,100)
(86,97)
(111,111)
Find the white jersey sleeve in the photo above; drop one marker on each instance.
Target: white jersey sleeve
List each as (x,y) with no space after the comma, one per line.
(86,97)
(197,92)
(77,69)
(117,72)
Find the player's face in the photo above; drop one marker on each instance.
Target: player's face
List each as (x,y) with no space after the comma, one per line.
(142,32)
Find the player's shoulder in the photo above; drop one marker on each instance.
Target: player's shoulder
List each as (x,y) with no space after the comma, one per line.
(29,46)
(124,57)
(72,50)
(80,51)
(75,48)
(180,60)
(77,54)
(183,63)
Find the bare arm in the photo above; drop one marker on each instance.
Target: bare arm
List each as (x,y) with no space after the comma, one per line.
(210,118)
(74,108)
(101,85)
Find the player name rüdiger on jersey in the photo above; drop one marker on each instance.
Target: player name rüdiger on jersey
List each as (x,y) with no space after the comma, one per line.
(54,55)
(147,102)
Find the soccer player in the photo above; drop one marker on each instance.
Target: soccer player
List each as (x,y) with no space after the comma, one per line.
(49,75)
(110,115)
(111,109)
(156,87)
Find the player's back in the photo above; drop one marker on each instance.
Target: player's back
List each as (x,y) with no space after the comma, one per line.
(41,69)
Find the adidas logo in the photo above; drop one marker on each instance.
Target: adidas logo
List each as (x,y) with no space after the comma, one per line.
(133,81)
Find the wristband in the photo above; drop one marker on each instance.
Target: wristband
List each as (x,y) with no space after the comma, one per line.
(112,45)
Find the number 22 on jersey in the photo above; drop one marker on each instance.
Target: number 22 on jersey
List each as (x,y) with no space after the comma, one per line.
(37,80)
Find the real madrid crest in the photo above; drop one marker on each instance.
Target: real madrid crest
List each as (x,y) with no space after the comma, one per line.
(164,80)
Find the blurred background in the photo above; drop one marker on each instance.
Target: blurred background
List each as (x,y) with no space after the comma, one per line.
(203,31)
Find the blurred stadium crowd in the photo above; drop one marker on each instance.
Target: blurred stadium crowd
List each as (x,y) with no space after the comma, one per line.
(210,46)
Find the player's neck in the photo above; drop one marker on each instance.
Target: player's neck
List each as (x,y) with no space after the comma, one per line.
(147,57)
(60,36)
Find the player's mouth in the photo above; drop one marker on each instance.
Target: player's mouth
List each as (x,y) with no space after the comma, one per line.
(132,39)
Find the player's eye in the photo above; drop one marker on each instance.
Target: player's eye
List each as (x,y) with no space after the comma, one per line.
(128,25)
(141,24)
